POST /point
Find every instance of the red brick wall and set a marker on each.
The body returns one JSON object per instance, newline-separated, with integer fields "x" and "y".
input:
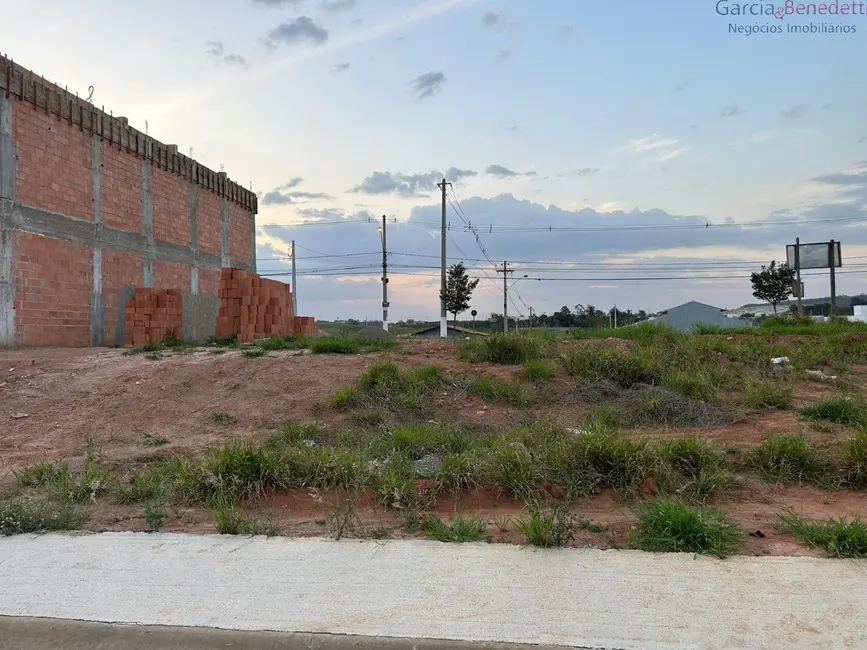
{"x": 53, "y": 170}
{"x": 53, "y": 286}
{"x": 54, "y": 277}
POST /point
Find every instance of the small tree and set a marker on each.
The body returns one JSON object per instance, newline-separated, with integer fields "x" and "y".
{"x": 773, "y": 284}
{"x": 459, "y": 290}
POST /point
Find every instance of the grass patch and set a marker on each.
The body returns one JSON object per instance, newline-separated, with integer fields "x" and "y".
{"x": 20, "y": 518}
{"x": 504, "y": 349}
{"x": 460, "y": 529}
{"x": 549, "y": 529}
{"x": 221, "y": 418}
{"x": 789, "y": 459}
{"x": 154, "y": 440}
{"x": 597, "y": 363}
{"x": 837, "y": 537}
{"x": 768, "y": 394}
{"x": 498, "y": 390}
{"x": 230, "y": 520}
{"x": 64, "y": 485}
{"x": 843, "y": 409}
{"x": 384, "y": 387}
{"x": 539, "y": 370}
{"x": 253, "y": 352}
{"x": 661, "y": 406}
{"x": 671, "y": 526}
{"x": 694, "y": 467}
{"x": 853, "y": 460}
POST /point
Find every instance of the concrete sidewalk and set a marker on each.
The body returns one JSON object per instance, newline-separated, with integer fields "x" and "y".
{"x": 427, "y": 590}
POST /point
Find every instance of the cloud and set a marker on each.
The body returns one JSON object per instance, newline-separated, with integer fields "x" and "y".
{"x": 338, "y": 5}
{"x": 275, "y": 198}
{"x": 428, "y": 84}
{"x": 504, "y": 55}
{"x": 292, "y": 182}
{"x": 293, "y": 32}
{"x": 281, "y": 196}
{"x": 623, "y": 243}
{"x": 683, "y": 85}
{"x": 656, "y": 148}
{"x": 409, "y": 185}
{"x": 826, "y": 106}
{"x": 493, "y": 21}
{"x": 498, "y": 171}
{"x": 794, "y": 112}
{"x": 278, "y": 3}
{"x": 730, "y": 111}
{"x": 216, "y": 50}
{"x": 340, "y": 67}
{"x": 567, "y": 31}
{"x": 585, "y": 171}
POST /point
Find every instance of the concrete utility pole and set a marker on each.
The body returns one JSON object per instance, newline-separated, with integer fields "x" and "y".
{"x": 800, "y": 294}
{"x": 384, "y": 277}
{"x": 832, "y": 257}
{"x": 444, "y": 321}
{"x": 294, "y": 283}
{"x": 505, "y": 271}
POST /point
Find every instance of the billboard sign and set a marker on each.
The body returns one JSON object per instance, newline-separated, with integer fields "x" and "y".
{"x": 814, "y": 256}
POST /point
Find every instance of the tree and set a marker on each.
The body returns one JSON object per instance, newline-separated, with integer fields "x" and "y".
{"x": 459, "y": 290}
{"x": 773, "y": 284}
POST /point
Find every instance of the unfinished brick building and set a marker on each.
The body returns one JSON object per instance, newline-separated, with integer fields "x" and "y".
{"x": 91, "y": 208}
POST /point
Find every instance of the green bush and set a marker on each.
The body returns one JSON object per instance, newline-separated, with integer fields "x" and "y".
{"x": 671, "y": 526}
{"x": 837, "y": 537}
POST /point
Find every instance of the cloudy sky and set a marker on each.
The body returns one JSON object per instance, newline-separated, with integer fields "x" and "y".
{"x": 632, "y": 153}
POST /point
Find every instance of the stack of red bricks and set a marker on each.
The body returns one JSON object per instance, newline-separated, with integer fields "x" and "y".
{"x": 252, "y": 307}
{"x": 152, "y": 315}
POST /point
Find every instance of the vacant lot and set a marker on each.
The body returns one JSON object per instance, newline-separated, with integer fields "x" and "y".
{"x": 639, "y": 437}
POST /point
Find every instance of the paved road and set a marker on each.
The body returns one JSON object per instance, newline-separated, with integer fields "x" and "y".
{"x": 427, "y": 590}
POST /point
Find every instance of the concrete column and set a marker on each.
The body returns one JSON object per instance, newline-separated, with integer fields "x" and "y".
{"x": 97, "y": 306}
{"x": 224, "y": 218}
{"x": 194, "y": 236}
{"x": 253, "y": 244}
{"x": 147, "y": 222}
{"x": 7, "y": 196}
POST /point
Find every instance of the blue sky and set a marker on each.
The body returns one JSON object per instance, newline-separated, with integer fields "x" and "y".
{"x": 597, "y": 107}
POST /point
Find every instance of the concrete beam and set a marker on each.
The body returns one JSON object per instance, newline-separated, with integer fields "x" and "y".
{"x": 147, "y": 225}
{"x": 224, "y": 219}
{"x": 37, "y": 221}
{"x": 193, "y": 201}
{"x": 7, "y": 236}
{"x": 97, "y": 306}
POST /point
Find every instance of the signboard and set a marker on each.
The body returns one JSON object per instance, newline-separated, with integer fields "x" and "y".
{"x": 814, "y": 256}
{"x": 798, "y": 289}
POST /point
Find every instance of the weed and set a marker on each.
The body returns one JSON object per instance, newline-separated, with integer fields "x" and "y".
{"x": 503, "y": 523}
{"x": 497, "y": 390}
{"x": 539, "y": 370}
{"x": 788, "y": 459}
{"x": 142, "y": 487}
{"x": 670, "y": 526}
{"x": 589, "y": 526}
{"x": 154, "y": 440}
{"x": 458, "y": 472}
{"x": 504, "y": 349}
{"x": 253, "y": 352}
{"x": 768, "y": 394}
{"x": 346, "y": 345}
{"x": 230, "y": 520}
{"x": 382, "y": 386}
{"x": 853, "y": 456}
{"x": 20, "y": 518}
{"x": 509, "y": 466}
{"x": 422, "y": 439}
{"x": 459, "y": 529}
{"x": 694, "y": 466}
{"x": 154, "y": 519}
{"x": 661, "y": 406}
{"x": 64, "y": 485}
{"x": 394, "y": 484}
{"x": 837, "y": 537}
{"x": 847, "y": 410}
{"x": 238, "y": 471}
{"x": 547, "y": 529}
{"x": 153, "y": 356}
{"x": 342, "y": 519}
{"x": 221, "y": 418}
{"x": 595, "y": 363}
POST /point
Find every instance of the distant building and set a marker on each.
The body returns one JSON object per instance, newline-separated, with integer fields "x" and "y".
{"x": 452, "y": 332}
{"x": 688, "y": 316}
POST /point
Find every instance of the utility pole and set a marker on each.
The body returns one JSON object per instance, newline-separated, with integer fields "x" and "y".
{"x": 505, "y": 271}
{"x": 384, "y": 277}
{"x": 615, "y": 316}
{"x": 799, "y": 294}
{"x": 294, "y": 284}
{"x": 832, "y": 258}
{"x": 444, "y": 321}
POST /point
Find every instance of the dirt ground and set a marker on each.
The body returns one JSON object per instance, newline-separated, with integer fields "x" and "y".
{"x": 62, "y": 404}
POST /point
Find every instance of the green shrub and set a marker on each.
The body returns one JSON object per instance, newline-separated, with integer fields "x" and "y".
{"x": 850, "y": 411}
{"x": 670, "y": 526}
{"x": 789, "y": 459}
{"x": 837, "y": 537}
{"x": 230, "y": 520}
{"x": 853, "y": 456}
{"x": 547, "y": 529}
{"x": 539, "y": 370}
{"x": 595, "y": 363}
{"x": 459, "y": 529}
{"x": 694, "y": 467}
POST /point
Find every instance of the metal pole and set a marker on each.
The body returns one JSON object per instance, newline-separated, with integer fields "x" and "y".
{"x": 505, "y": 299}
{"x": 384, "y": 279}
{"x": 798, "y": 275}
{"x": 833, "y": 259}
{"x": 615, "y": 316}
{"x": 294, "y": 284}
{"x": 444, "y": 323}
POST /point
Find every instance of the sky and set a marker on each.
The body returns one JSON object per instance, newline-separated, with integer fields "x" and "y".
{"x": 630, "y": 153}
